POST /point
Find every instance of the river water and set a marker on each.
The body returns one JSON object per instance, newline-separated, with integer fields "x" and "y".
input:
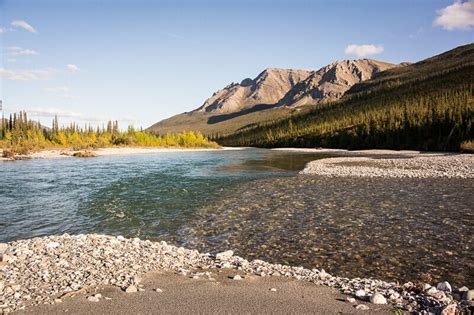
{"x": 251, "y": 201}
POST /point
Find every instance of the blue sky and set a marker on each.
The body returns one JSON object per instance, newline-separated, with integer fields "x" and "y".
{"x": 143, "y": 61}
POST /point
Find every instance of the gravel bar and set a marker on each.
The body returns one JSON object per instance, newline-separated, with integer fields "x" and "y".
{"x": 415, "y": 166}
{"x": 44, "y": 270}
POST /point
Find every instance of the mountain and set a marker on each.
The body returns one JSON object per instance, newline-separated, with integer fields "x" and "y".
{"x": 274, "y": 93}
{"x": 266, "y": 89}
{"x": 331, "y": 82}
{"x": 428, "y": 105}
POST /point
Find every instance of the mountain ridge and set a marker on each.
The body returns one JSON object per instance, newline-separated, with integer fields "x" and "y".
{"x": 270, "y": 89}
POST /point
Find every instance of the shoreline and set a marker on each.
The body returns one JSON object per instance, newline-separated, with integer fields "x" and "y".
{"x": 45, "y": 270}
{"x": 68, "y": 153}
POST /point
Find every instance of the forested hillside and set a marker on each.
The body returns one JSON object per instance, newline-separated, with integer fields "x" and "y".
{"x": 425, "y": 106}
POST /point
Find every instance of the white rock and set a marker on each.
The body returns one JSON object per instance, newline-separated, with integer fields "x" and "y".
{"x": 121, "y": 238}
{"x": 468, "y": 295}
{"x": 362, "y": 307}
{"x": 449, "y": 310}
{"x": 158, "y": 290}
{"x": 131, "y": 289}
{"x": 350, "y": 300}
{"x": 444, "y": 286}
{"x": 273, "y": 289}
{"x": 3, "y": 248}
{"x": 52, "y": 245}
{"x": 431, "y": 291}
{"x": 225, "y": 255}
{"x": 378, "y": 298}
{"x": 360, "y": 293}
{"x": 93, "y": 299}
{"x": 237, "y": 277}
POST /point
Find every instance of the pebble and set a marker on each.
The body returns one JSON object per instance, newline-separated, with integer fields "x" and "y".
{"x": 131, "y": 289}
{"x": 378, "y": 298}
{"x": 468, "y": 295}
{"x": 362, "y": 307}
{"x": 237, "y": 277}
{"x": 53, "y": 245}
{"x": 3, "y": 248}
{"x": 360, "y": 293}
{"x": 273, "y": 289}
{"x": 223, "y": 256}
{"x": 444, "y": 286}
{"x": 93, "y": 298}
{"x": 350, "y": 300}
{"x": 158, "y": 290}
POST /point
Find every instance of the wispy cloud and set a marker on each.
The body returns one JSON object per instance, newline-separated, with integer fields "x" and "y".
{"x": 3, "y": 30}
{"x": 62, "y": 91}
{"x": 72, "y": 67}
{"x": 51, "y": 112}
{"x": 24, "y": 25}
{"x": 459, "y": 15}
{"x": 18, "y": 51}
{"x": 27, "y": 75}
{"x": 363, "y": 50}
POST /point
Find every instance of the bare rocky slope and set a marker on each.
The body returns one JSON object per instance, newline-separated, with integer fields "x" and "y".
{"x": 278, "y": 92}
{"x": 331, "y": 82}
{"x": 266, "y": 89}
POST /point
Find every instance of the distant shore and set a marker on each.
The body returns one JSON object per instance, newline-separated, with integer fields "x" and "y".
{"x": 48, "y": 270}
{"x": 68, "y": 153}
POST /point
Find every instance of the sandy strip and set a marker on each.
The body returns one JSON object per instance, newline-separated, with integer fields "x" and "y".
{"x": 64, "y": 153}
{"x": 417, "y": 165}
{"x": 220, "y": 294}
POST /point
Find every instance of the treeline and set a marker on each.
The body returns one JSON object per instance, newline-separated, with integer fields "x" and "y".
{"x": 21, "y": 135}
{"x": 431, "y": 114}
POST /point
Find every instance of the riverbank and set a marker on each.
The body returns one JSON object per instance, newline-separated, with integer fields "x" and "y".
{"x": 65, "y": 153}
{"x": 49, "y": 270}
{"x": 395, "y": 164}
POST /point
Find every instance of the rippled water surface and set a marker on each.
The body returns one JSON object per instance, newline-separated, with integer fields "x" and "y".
{"x": 250, "y": 200}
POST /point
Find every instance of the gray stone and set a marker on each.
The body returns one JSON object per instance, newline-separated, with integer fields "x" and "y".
{"x": 444, "y": 286}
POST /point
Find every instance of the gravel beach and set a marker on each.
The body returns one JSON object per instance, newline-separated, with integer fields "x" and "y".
{"x": 48, "y": 270}
{"x": 406, "y": 165}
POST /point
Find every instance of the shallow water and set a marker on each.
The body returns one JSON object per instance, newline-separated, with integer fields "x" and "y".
{"x": 250, "y": 201}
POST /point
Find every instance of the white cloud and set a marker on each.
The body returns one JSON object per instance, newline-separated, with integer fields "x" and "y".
{"x": 24, "y": 25}
{"x": 459, "y": 15}
{"x": 11, "y": 60}
{"x": 18, "y": 51}
{"x": 26, "y": 75}
{"x": 72, "y": 67}
{"x": 51, "y": 112}
{"x": 363, "y": 50}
